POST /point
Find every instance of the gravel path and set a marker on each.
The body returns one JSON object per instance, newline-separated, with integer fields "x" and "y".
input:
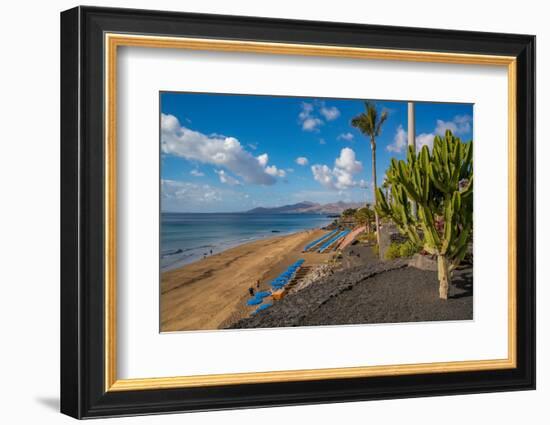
{"x": 383, "y": 292}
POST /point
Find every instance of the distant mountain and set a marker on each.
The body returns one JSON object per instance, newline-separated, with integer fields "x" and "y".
{"x": 307, "y": 208}
{"x": 294, "y": 208}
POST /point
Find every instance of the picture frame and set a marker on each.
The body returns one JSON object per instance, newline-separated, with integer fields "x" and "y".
{"x": 90, "y": 39}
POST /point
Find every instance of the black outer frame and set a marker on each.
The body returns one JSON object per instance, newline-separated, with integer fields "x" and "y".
{"x": 82, "y": 219}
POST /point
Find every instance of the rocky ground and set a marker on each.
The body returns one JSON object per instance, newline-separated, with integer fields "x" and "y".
{"x": 358, "y": 255}
{"x": 374, "y": 292}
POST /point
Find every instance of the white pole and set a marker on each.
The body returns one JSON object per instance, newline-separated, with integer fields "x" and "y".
{"x": 411, "y": 130}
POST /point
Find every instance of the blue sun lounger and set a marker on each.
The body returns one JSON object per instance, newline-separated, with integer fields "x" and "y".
{"x": 254, "y": 301}
{"x": 318, "y": 241}
{"x": 333, "y": 240}
{"x": 262, "y": 308}
{"x": 287, "y": 275}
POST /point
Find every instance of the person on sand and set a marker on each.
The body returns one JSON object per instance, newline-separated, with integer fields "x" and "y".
{"x": 210, "y": 252}
{"x": 251, "y": 291}
{"x": 258, "y": 284}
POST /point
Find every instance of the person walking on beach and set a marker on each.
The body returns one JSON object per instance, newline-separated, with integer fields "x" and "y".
{"x": 258, "y": 284}
{"x": 251, "y": 291}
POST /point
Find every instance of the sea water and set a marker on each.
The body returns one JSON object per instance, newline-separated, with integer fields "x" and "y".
{"x": 188, "y": 237}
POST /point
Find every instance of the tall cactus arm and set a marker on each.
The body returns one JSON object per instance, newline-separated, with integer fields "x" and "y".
{"x": 440, "y": 182}
{"x": 400, "y": 213}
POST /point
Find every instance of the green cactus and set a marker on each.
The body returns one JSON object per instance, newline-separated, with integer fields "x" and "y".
{"x": 440, "y": 183}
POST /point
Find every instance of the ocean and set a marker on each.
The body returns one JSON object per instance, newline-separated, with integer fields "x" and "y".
{"x": 186, "y": 237}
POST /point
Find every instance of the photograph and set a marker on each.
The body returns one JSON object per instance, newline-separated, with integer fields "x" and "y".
{"x": 285, "y": 211}
{"x": 280, "y": 210}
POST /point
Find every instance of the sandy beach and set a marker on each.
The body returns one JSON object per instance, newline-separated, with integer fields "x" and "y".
{"x": 211, "y": 293}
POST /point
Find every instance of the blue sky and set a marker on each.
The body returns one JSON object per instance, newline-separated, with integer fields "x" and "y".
{"x": 226, "y": 153}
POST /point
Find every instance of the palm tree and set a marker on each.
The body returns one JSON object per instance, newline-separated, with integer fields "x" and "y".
{"x": 370, "y": 124}
{"x": 363, "y": 216}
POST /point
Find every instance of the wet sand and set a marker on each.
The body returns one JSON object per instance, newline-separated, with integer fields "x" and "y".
{"x": 211, "y": 293}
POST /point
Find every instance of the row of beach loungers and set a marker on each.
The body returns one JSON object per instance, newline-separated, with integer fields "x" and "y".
{"x": 278, "y": 283}
{"x": 326, "y": 241}
{"x": 318, "y": 241}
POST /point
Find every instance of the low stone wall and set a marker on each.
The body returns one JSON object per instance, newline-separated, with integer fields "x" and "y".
{"x": 423, "y": 262}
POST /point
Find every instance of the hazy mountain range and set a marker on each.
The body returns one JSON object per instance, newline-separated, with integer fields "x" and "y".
{"x": 307, "y": 208}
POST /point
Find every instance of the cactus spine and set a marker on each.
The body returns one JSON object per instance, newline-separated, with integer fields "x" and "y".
{"x": 441, "y": 184}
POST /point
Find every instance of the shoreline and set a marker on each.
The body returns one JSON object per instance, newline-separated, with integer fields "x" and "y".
{"x": 177, "y": 253}
{"x": 211, "y": 293}
{"x": 235, "y": 244}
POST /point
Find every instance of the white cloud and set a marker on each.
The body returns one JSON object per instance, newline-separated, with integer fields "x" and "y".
{"x": 425, "y": 139}
{"x": 328, "y": 196}
{"x": 253, "y": 146}
{"x": 263, "y": 159}
{"x": 348, "y": 162}
{"x": 302, "y": 160}
{"x": 330, "y": 113}
{"x": 399, "y": 140}
{"x": 307, "y": 109}
{"x": 272, "y": 170}
{"x": 363, "y": 184}
{"x": 323, "y": 174}
{"x": 340, "y": 177}
{"x": 343, "y": 179}
{"x": 465, "y": 120}
{"x": 194, "y": 197}
{"x": 460, "y": 124}
{"x": 227, "y": 178}
{"x": 189, "y": 192}
{"x": 322, "y": 142}
{"x": 307, "y": 119}
{"x": 346, "y": 136}
{"x": 226, "y": 152}
{"x": 309, "y": 115}
{"x": 196, "y": 173}
{"x": 311, "y": 124}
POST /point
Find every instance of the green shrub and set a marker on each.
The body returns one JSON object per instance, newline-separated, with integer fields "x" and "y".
{"x": 408, "y": 249}
{"x": 393, "y": 251}
{"x": 371, "y": 237}
{"x": 366, "y": 237}
{"x": 398, "y": 250}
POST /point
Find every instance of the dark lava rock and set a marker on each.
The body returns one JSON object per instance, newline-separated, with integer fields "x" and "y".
{"x": 384, "y": 292}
